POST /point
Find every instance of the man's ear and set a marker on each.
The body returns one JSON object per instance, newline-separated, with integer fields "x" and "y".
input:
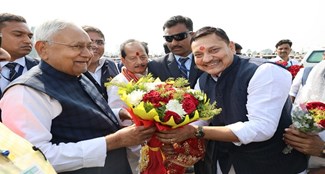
{"x": 232, "y": 46}
{"x": 41, "y": 48}
{"x": 122, "y": 59}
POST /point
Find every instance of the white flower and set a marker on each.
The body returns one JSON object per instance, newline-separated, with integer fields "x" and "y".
{"x": 135, "y": 97}
{"x": 297, "y": 125}
{"x": 152, "y": 86}
{"x": 175, "y": 106}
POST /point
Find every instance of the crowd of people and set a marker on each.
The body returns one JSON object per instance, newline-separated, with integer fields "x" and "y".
{"x": 60, "y": 104}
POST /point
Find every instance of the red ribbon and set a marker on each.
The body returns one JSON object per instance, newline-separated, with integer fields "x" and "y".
{"x": 157, "y": 163}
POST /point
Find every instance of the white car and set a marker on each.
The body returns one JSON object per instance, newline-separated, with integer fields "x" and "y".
{"x": 313, "y": 57}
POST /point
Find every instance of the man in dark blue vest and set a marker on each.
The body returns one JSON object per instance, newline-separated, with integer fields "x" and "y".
{"x": 247, "y": 135}
{"x": 59, "y": 110}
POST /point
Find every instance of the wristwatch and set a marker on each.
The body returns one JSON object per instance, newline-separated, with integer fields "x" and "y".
{"x": 199, "y": 132}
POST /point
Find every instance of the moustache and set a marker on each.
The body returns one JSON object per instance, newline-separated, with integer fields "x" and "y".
{"x": 141, "y": 65}
{"x": 176, "y": 46}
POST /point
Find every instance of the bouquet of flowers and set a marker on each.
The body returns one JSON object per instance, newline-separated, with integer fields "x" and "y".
{"x": 167, "y": 105}
{"x": 293, "y": 69}
{"x": 309, "y": 118}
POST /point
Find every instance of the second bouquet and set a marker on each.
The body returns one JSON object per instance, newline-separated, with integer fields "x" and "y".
{"x": 309, "y": 118}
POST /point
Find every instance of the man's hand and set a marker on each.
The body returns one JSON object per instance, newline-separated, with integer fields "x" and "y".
{"x": 129, "y": 136}
{"x": 124, "y": 115}
{"x": 176, "y": 135}
{"x": 310, "y": 144}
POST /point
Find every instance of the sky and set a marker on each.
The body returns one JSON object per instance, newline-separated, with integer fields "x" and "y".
{"x": 254, "y": 24}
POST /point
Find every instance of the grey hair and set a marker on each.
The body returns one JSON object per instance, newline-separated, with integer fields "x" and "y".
{"x": 48, "y": 29}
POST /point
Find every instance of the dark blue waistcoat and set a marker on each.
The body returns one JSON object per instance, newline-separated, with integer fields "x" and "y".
{"x": 85, "y": 113}
{"x": 230, "y": 92}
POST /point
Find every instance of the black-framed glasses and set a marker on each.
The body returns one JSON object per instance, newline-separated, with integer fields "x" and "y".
{"x": 77, "y": 47}
{"x": 177, "y": 37}
{"x": 98, "y": 42}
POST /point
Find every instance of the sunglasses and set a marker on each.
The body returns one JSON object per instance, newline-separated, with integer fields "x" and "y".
{"x": 177, "y": 37}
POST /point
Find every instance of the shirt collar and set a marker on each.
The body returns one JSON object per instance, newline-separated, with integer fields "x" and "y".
{"x": 190, "y": 57}
{"x": 21, "y": 61}
{"x": 101, "y": 63}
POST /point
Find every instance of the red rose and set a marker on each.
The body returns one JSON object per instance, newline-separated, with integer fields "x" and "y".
{"x": 315, "y": 105}
{"x": 189, "y": 103}
{"x": 152, "y": 97}
{"x": 294, "y": 69}
{"x": 165, "y": 92}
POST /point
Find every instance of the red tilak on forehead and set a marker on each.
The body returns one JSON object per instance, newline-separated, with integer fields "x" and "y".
{"x": 202, "y": 48}
{"x": 137, "y": 53}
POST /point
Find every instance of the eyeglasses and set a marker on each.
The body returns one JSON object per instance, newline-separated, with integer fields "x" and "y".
{"x": 78, "y": 47}
{"x": 177, "y": 37}
{"x": 98, "y": 42}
